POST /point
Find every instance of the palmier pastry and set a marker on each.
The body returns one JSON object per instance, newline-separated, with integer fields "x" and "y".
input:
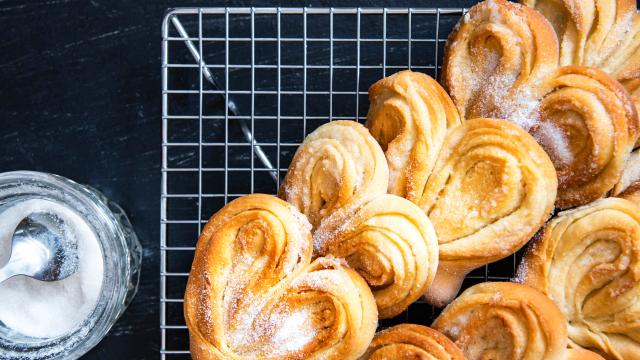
{"x": 491, "y": 189}
{"x": 409, "y": 115}
{"x": 409, "y": 341}
{"x": 390, "y": 242}
{"x": 502, "y": 61}
{"x": 337, "y": 164}
{"x": 588, "y": 125}
{"x": 495, "y": 59}
{"x": 604, "y": 34}
{"x": 253, "y": 292}
{"x": 501, "y": 320}
{"x": 587, "y": 260}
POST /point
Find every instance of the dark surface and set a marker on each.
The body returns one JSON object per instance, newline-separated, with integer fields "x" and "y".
{"x": 80, "y": 97}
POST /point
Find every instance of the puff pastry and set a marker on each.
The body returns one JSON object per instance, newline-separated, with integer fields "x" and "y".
{"x": 253, "y": 291}
{"x": 390, "y": 242}
{"x": 409, "y": 115}
{"x": 491, "y": 189}
{"x": 587, "y": 260}
{"x": 337, "y": 164}
{"x": 500, "y": 320}
{"x": 495, "y": 58}
{"x": 409, "y": 341}
{"x": 502, "y": 61}
{"x": 604, "y": 34}
{"x": 588, "y": 125}
{"x": 601, "y": 34}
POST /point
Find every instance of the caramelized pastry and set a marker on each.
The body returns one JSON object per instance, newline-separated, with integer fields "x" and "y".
{"x": 337, "y": 164}
{"x": 408, "y": 342}
{"x": 409, "y": 115}
{"x": 502, "y": 61}
{"x": 588, "y": 126}
{"x": 390, "y": 242}
{"x": 253, "y": 291}
{"x": 587, "y": 260}
{"x": 501, "y": 320}
{"x": 495, "y": 58}
{"x": 491, "y": 189}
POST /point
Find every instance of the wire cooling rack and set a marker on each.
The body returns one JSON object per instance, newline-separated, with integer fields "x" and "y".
{"x": 242, "y": 87}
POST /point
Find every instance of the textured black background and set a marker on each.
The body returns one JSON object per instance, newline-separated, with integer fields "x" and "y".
{"x": 80, "y": 97}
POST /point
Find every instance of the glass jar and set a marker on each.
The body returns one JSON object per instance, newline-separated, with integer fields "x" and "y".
{"x": 121, "y": 253}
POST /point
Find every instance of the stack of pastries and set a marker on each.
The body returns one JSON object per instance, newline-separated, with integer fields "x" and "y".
{"x": 537, "y": 114}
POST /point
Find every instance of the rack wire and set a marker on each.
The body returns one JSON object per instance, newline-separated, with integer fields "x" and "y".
{"x": 242, "y": 87}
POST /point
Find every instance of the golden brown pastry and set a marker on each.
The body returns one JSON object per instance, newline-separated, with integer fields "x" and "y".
{"x": 587, "y": 260}
{"x": 253, "y": 291}
{"x": 502, "y": 61}
{"x": 604, "y": 34}
{"x": 337, "y": 164}
{"x": 409, "y": 342}
{"x": 492, "y": 188}
{"x": 409, "y": 115}
{"x": 601, "y": 34}
{"x": 588, "y": 126}
{"x": 495, "y": 58}
{"x": 501, "y": 320}
{"x": 390, "y": 242}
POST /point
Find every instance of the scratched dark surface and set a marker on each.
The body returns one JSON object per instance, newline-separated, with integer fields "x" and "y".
{"x": 80, "y": 97}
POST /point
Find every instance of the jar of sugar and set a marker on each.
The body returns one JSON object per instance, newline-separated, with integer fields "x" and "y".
{"x": 66, "y": 318}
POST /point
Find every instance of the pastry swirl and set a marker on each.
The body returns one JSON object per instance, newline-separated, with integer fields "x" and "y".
{"x": 494, "y": 59}
{"x": 500, "y": 320}
{"x": 390, "y": 242}
{"x": 337, "y": 164}
{"x": 409, "y": 116}
{"x": 584, "y": 118}
{"x": 587, "y": 260}
{"x": 409, "y": 341}
{"x": 492, "y": 188}
{"x": 253, "y": 291}
{"x": 588, "y": 125}
{"x": 597, "y": 33}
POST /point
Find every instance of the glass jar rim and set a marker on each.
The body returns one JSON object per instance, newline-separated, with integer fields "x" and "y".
{"x": 19, "y": 186}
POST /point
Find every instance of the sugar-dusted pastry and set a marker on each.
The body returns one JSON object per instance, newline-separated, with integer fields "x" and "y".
{"x": 253, "y": 292}
{"x": 491, "y": 189}
{"x": 337, "y": 164}
{"x": 409, "y": 342}
{"x": 495, "y": 58}
{"x": 587, "y": 260}
{"x": 409, "y": 115}
{"x": 588, "y": 125}
{"x": 390, "y": 242}
{"x": 501, "y": 320}
{"x": 502, "y": 61}
{"x": 604, "y": 34}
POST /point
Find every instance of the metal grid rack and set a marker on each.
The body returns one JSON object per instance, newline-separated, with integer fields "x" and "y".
{"x": 233, "y": 117}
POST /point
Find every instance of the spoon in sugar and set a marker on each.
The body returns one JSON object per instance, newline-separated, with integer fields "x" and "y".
{"x": 43, "y": 248}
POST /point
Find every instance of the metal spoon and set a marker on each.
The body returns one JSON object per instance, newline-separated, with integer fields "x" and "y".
{"x": 42, "y": 248}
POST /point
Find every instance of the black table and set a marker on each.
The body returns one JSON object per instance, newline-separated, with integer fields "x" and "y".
{"x": 80, "y": 97}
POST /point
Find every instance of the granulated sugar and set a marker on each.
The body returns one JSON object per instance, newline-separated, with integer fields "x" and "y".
{"x": 50, "y": 309}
